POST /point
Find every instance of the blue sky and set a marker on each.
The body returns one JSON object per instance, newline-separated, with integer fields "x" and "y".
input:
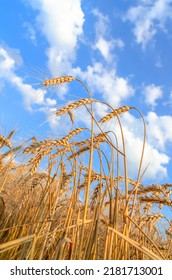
{"x": 120, "y": 49}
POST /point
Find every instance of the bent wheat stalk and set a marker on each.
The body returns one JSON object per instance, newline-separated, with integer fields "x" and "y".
{"x": 138, "y": 246}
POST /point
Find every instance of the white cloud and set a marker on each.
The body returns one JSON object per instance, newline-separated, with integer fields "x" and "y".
{"x": 119, "y": 43}
{"x": 7, "y": 73}
{"x": 148, "y": 18}
{"x": 151, "y": 94}
{"x": 101, "y": 109}
{"x": 50, "y": 102}
{"x": 104, "y": 43}
{"x": 155, "y": 160}
{"x": 155, "y": 156}
{"x": 53, "y": 121}
{"x": 63, "y": 33}
{"x": 102, "y": 23}
{"x": 105, "y": 81}
{"x": 6, "y": 62}
{"x": 31, "y": 96}
{"x": 30, "y": 32}
{"x": 158, "y": 63}
{"x": 61, "y": 22}
{"x": 168, "y": 102}
{"x": 104, "y": 47}
{"x": 159, "y": 130}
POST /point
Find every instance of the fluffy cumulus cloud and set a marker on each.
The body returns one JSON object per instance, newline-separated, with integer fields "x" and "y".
{"x": 159, "y": 130}
{"x": 148, "y": 17}
{"x": 61, "y": 23}
{"x": 104, "y": 47}
{"x": 106, "y": 82}
{"x": 151, "y": 94}
{"x": 155, "y": 159}
{"x": 168, "y": 102}
{"x": 30, "y": 95}
{"x": 103, "y": 41}
{"x": 30, "y": 32}
{"x": 101, "y": 76}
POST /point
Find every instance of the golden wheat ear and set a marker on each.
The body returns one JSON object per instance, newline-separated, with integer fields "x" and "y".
{"x": 116, "y": 112}
{"x": 58, "y": 81}
{"x": 4, "y": 141}
{"x": 74, "y": 105}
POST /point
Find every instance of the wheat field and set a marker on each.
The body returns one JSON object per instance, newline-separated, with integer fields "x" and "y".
{"x": 68, "y": 199}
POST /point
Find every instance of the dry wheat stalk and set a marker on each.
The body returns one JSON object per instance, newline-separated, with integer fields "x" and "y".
{"x": 2, "y": 206}
{"x": 58, "y": 81}
{"x": 116, "y": 112}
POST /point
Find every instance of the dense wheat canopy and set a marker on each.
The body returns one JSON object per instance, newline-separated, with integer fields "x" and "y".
{"x": 70, "y": 198}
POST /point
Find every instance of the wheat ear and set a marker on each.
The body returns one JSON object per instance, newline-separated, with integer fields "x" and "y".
{"x": 58, "y": 81}
{"x": 116, "y": 112}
